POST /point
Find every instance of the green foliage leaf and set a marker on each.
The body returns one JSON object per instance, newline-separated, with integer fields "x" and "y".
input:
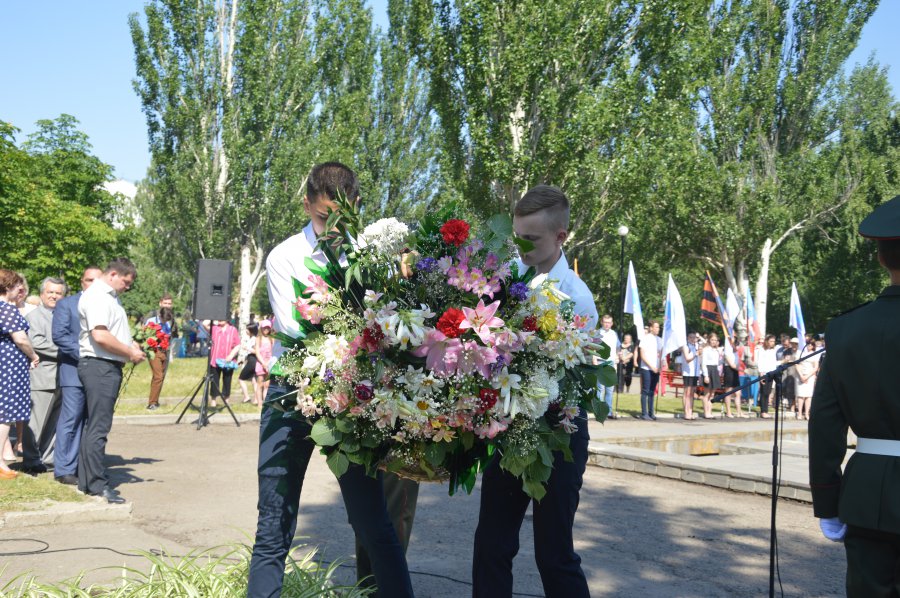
{"x": 325, "y": 433}
{"x": 338, "y": 463}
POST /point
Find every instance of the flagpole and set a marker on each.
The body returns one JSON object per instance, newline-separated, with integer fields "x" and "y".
{"x": 620, "y": 368}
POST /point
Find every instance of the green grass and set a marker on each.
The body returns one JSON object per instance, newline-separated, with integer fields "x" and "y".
{"x": 181, "y": 379}
{"x": 630, "y": 404}
{"x": 220, "y": 572}
{"x": 26, "y": 493}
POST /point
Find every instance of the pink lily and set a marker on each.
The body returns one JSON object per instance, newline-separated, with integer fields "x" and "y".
{"x": 440, "y": 352}
{"x": 473, "y": 357}
{"x": 481, "y": 320}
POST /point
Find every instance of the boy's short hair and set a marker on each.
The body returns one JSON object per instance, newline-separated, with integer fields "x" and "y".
{"x": 546, "y": 198}
{"x": 331, "y": 179}
{"x": 123, "y": 266}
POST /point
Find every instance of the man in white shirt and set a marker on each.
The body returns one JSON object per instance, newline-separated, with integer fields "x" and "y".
{"x": 541, "y": 217}
{"x": 284, "y": 447}
{"x": 105, "y": 345}
{"x": 609, "y": 338}
{"x": 767, "y": 361}
{"x": 650, "y": 350}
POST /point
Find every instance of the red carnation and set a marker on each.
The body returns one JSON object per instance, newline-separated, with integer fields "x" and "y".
{"x": 164, "y": 344}
{"x": 371, "y": 339}
{"x": 455, "y": 232}
{"x": 151, "y": 342}
{"x": 449, "y": 321}
{"x": 487, "y": 399}
{"x": 529, "y": 324}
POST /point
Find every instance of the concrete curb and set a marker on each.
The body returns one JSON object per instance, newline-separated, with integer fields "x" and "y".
{"x": 96, "y": 509}
{"x": 189, "y": 419}
{"x": 725, "y": 474}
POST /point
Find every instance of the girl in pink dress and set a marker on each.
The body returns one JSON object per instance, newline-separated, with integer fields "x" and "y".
{"x": 264, "y": 343}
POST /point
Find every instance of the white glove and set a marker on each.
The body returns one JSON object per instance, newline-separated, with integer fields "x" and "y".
{"x": 833, "y": 529}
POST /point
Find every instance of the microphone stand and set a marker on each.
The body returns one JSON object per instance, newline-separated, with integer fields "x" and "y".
{"x": 776, "y": 376}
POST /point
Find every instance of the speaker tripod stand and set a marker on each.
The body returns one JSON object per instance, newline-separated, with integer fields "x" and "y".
{"x": 204, "y": 384}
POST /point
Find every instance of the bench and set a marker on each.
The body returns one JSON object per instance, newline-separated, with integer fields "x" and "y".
{"x": 676, "y": 381}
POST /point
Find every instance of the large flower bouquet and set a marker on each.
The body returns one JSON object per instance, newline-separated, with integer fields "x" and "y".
{"x": 425, "y": 352}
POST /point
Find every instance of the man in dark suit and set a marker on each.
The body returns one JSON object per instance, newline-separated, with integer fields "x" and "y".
{"x": 857, "y": 388}
{"x": 66, "y": 328}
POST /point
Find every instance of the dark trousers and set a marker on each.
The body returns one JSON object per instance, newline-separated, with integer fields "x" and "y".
{"x": 68, "y": 431}
{"x": 649, "y": 380}
{"x": 765, "y": 389}
{"x": 873, "y": 563}
{"x": 401, "y": 495}
{"x": 503, "y": 506}
{"x": 224, "y": 389}
{"x": 101, "y": 380}
{"x": 284, "y": 453}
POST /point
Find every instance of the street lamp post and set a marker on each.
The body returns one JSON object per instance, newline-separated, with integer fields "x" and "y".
{"x": 623, "y": 232}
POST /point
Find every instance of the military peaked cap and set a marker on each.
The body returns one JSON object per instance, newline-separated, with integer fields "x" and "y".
{"x": 883, "y": 222}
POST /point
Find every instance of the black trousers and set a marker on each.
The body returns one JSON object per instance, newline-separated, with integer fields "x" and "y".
{"x": 503, "y": 506}
{"x": 284, "y": 454}
{"x": 101, "y": 380}
{"x": 873, "y": 563}
{"x": 223, "y": 389}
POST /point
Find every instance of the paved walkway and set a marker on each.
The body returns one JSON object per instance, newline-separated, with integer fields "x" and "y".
{"x": 638, "y": 535}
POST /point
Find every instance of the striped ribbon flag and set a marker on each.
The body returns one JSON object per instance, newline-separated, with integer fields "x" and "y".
{"x": 709, "y": 309}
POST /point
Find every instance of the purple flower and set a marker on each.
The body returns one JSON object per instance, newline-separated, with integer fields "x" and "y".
{"x": 428, "y": 264}
{"x": 329, "y": 376}
{"x": 519, "y": 291}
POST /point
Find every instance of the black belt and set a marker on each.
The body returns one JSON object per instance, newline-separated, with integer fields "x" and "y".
{"x": 118, "y": 364}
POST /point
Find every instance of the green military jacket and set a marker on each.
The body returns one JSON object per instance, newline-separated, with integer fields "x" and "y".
{"x": 858, "y": 386}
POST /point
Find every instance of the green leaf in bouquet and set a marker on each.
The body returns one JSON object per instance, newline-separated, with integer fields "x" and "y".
{"x": 314, "y": 267}
{"x": 343, "y": 424}
{"x": 467, "y": 439}
{"x": 534, "y": 489}
{"x": 338, "y": 463}
{"x": 324, "y": 432}
{"x": 603, "y": 351}
{"x": 501, "y": 225}
{"x": 350, "y": 445}
{"x": 299, "y": 287}
{"x": 436, "y": 452}
{"x": 277, "y": 371}
{"x": 524, "y": 245}
{"x": 600, "y": 409}
{"x": 546, "y": 455}
{"x": 539, "y": 471}
{"x": 608, "y": 375}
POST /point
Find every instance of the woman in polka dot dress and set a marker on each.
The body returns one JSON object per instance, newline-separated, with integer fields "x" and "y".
{"x": 16, "y": 357}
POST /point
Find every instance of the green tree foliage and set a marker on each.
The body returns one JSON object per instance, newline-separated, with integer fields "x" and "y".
{"x": 243, "y": 97}
{"x": 56, "y": 217}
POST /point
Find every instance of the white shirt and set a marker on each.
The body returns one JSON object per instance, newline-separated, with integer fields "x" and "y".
{"x": 711, "y": 356}
{"x": 767, "y": 360}
{"x": 649, "y": 357}
{"x": 691, "y": 368}
{"x": 285, "y": 263}
{"x": 570, "y": 284}
{"x": 99, "y": 306}
{"x": 611, "y": 339}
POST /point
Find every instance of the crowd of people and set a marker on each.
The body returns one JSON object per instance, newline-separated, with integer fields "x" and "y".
{"x": 708, "y": 369}
{"x": 61, "y": 360}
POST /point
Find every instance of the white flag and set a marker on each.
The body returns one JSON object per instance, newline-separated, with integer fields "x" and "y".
{"x": 633, "y": 301}
{"x": 733, "y": 308}
{"x": 797, "y": 317}
{"x": 674, "y": 326}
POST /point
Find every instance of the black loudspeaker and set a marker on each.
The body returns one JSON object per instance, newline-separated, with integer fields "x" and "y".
{"x": 212, "y": 290}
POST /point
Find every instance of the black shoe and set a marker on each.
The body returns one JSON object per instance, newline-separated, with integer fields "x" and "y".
{"x": 653, "y": 417}
{"x": 152, "y": 407}
{"x": 68, "y": 479}
{"x": 647, "y": 418}
{"x": 34, "y": 470}
{"x": 111, "y": 496}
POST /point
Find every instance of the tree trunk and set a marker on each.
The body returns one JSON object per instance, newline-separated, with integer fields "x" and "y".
{"x": 251, "y": 273}
{"x": 762, "y": 285}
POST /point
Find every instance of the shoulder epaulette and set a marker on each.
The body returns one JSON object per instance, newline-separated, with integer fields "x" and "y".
{"x": 847, "y": 311}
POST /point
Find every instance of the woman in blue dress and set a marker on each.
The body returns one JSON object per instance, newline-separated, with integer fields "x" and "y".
{"x": 17, "y": 356}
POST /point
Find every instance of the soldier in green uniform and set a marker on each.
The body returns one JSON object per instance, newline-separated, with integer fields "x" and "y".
{"x": 859, "y": 387}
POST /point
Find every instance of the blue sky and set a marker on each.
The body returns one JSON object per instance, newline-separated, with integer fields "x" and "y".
{"x": 76, "y": 57}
